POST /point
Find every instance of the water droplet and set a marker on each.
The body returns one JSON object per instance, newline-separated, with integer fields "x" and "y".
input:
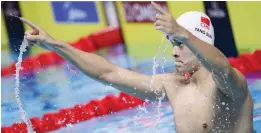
{"x": 123, "y": 98}
{"x": 147, "y": 100}
{"x": 69, "y": 125}
{"x": 223, "y": 103}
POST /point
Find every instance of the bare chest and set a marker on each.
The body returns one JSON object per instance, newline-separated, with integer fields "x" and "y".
{"x": 194, "y": 105}
{"x": 202, "y": 108}
{"x": 195, "y": 108}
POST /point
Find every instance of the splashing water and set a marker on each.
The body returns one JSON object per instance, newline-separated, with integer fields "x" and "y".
{"x": 160, "y": 98}
{"x": 154, "y": 72}
{"x": 143, "y": 109}
{"x": 17, "y": 90}
{"x": 155, "y": 64}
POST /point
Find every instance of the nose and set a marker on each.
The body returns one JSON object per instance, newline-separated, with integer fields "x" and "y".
{"x": 175, "y": 52}
{"x": 176, "y": 55}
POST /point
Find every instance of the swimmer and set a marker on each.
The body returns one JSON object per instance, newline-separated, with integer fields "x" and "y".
{"x": 206, "y": 93}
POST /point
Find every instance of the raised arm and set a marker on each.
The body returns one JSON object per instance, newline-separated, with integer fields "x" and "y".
{"x": 104, "y": 71}
{"x": 97, "y": 67}
{"x": 231, "y": 82}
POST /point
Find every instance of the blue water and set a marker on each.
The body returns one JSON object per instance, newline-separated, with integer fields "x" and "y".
{"x": 56, "y": 87}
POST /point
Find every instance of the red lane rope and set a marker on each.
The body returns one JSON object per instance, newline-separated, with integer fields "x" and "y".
{"x": 78, "y": 113}
{"x": 91, "y": 43}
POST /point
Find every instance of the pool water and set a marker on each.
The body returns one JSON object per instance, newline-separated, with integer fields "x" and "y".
{"x": 63, "y": 86}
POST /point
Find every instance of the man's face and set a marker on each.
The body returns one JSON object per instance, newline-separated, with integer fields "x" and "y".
{"x": 184, "y": 60}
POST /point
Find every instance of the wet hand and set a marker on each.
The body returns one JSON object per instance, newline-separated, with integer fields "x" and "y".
{"x": 166, "y": 23}
{"x": 38, "y": 36}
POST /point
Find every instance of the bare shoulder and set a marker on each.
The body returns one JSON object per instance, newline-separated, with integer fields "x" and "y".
{"x": 172, "y": 81}
{"x": 239, "y": 86}
{"x": 241, "y": 80}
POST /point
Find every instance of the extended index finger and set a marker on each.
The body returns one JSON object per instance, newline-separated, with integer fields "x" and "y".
{"x": 29, "y": 23}
{"x": 158, "y": 8}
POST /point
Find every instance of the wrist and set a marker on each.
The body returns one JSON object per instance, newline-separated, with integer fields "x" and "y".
{"x": 58, "y": 44}
{"x": 181, "y": 35}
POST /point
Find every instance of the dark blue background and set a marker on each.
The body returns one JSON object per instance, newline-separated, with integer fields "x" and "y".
{"x": 224, "y": 38}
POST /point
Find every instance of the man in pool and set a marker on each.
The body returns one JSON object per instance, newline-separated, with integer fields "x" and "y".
{"x": 206, "y": 93}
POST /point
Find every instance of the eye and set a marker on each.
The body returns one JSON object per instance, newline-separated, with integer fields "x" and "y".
{"x": 176, "y": 43}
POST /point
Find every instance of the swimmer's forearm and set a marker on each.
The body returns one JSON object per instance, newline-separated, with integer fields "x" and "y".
{"x": 90, "y": 64}
{"x": 210, "y": 57}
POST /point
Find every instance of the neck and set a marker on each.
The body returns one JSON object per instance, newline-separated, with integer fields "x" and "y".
{"x": 196, "y": 75}
{"x": 190, "y": 74}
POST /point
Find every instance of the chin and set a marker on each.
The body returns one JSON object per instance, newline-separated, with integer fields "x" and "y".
{"x": 184, "y": 69}
{"x": 181, "y": 70}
